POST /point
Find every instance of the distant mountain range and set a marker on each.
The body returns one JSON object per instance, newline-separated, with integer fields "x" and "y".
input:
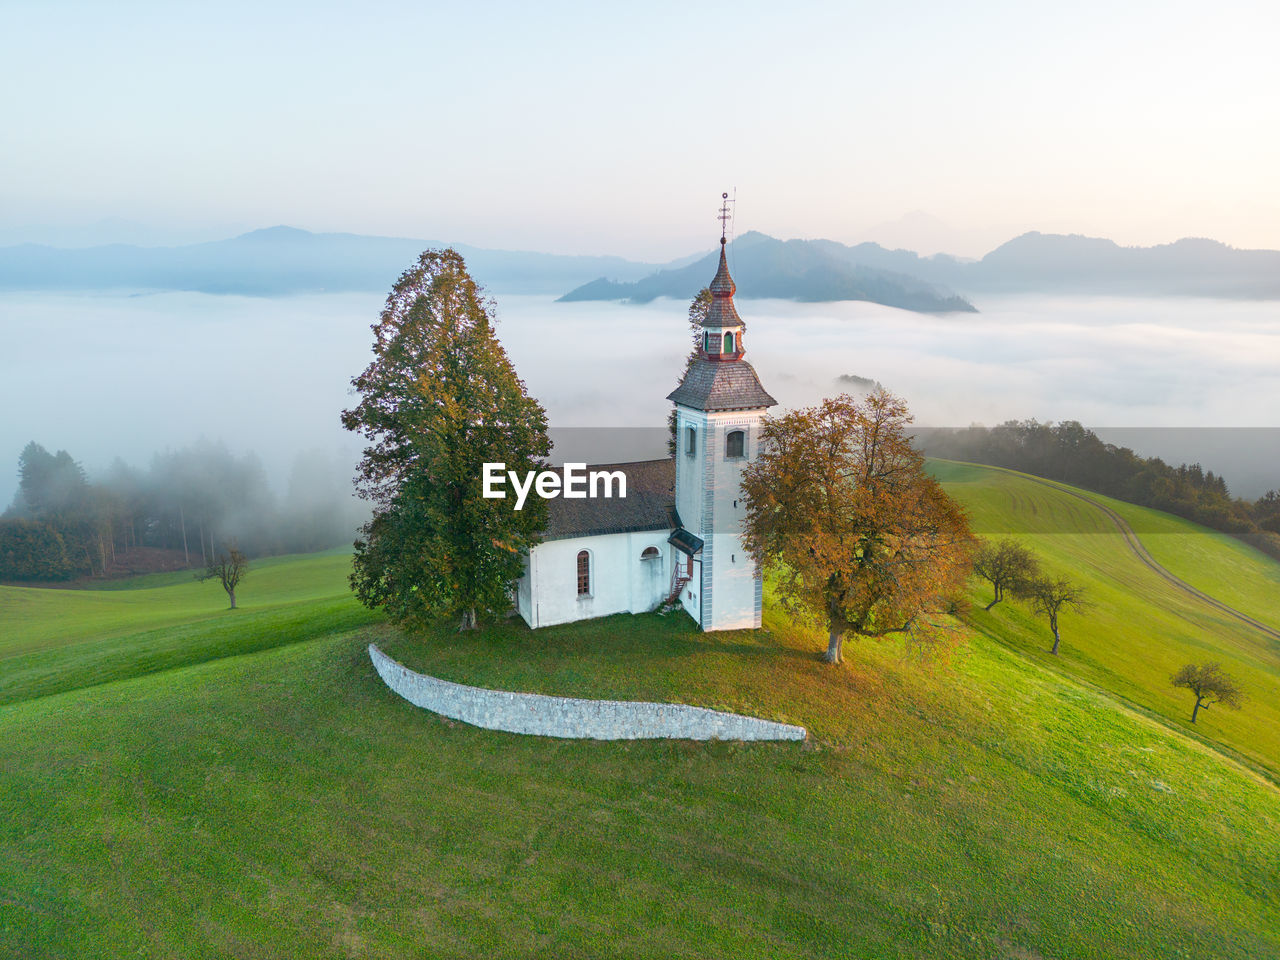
{"x": 1075, "y": 264}
{"x": 807, "y": 270}
{"x": 284, "y": 260}
{"x": 1033, "y": 262}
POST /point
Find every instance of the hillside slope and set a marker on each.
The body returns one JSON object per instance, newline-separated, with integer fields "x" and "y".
{"x": 234, "y": 786}
{"x": 56, "y": 640}
{"x": 1141, "y": 627}
{"x": 284, "y": 803}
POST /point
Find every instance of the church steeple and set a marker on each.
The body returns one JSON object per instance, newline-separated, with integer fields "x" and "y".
{"x": 719, "y": 414}
{"x": 722, "y": 327}
{"x": 720, "y": 379}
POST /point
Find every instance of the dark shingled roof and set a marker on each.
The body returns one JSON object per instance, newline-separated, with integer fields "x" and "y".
{"x": 722, "y": 284}
{"x": 649, "y": 504}
{"x": 722, "y": 313}
{"x": 721, "y": 385}
{"x": 682, "y": 539}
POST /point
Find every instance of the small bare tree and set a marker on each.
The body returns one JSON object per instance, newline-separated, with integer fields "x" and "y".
{"x": 1050, "y": 596}
{"x": 1006, "y": 563}
{"x": 228, "y": 569}
{"x": 1210, "y": 685}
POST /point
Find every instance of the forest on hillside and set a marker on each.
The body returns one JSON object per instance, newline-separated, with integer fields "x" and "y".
{"x": 1070, "y": 453}
{"x": 192, "y": 504}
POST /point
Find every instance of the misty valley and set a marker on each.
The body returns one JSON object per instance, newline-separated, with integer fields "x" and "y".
{"x": 106, "y": 377}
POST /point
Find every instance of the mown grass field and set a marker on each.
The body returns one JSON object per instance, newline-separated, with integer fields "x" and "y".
{"x": 1219, "y": 564}
{"x": 260, "y": 798}
{"x": 56, "y": 640}
{"x": 1140, "y": 628}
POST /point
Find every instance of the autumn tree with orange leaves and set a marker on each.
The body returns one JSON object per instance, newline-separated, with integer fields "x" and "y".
{"x": 861, "y": 538}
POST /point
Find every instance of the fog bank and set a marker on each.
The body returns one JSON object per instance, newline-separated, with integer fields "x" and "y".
{"x": 106, "y": 376}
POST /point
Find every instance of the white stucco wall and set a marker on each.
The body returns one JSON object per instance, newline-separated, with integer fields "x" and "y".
{"x": 725, "y": 593}
{"x": 532, "y": 713}
{"x": 730, "y": 584}
{"x": 690, "y": 499}
{"x": 689, "y": 468}
{"x": 620, "y": 581}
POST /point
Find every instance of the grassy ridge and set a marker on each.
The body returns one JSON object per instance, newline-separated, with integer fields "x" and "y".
{"x": 57, "y": 640}
{"x": 213, "y": 784}
{"x": 1217, "y": 563}
{"x": 1141, "y": 628}
{"x": 286, "y": 804}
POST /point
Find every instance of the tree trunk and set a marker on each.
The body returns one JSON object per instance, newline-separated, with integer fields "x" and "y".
{"x": 1056, "y": 640}
{"x": 469, "y": 621}
{"x": 835, "y": 645}
{"x": 1196, "y": 709}
{"x": 182, "y": 519}
{"x": 232, "y": 594}
{"x": 994, "y": 601}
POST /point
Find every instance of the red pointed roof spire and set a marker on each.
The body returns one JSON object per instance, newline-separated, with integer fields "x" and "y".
{"x": 719, "y": 378}
{"x": 722, "y": 284}
{"x": 722, "y": 312}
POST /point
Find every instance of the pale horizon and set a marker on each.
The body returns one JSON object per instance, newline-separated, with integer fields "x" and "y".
{"x": 586, "y": 130}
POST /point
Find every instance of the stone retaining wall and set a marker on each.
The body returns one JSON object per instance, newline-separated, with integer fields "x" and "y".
{"x": 570, "y": 717}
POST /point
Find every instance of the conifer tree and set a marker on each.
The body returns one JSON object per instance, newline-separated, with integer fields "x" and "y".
{"x": 698, "y": 308}
{"x": 439, "y": 400}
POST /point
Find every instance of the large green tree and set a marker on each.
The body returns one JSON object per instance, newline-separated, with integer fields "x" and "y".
{"x": 863, "y": 540}
{"x": 440, "y": 400}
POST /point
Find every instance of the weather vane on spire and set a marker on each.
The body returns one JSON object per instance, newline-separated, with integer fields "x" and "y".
{"x": 724, "y": 217}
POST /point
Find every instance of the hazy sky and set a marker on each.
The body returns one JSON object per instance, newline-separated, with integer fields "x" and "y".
{"x": 613, "y": 127}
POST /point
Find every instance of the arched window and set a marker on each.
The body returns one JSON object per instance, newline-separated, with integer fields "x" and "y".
{"x": 735, "y": 445}
{"x": 649, "y": 553}
{"x": 690, "y": 441}
{"x": 728, "y": 343}
{"x": 584, "y": 573}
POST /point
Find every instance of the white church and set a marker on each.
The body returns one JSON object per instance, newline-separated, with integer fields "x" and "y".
{"x": 677, "y": 535}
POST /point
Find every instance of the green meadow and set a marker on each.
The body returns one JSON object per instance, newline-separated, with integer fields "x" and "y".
{"x": 1140, "y": 628}
{"x": 56, "y": 640}
{"x": 179, "y": 780}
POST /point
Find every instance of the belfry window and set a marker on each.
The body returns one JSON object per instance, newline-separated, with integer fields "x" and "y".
{"x": 706, "y": 341}
{"x": 735, "y": 445}
{"x": 728, "y": 343}
{"x": 584, "y": 573}
{"x": 690, "y": 441}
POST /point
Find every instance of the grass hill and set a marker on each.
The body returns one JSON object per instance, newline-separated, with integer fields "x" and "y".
{"x": 56, "y": 640}
{"x": 209, "y": 783}
{"x": 1141, "y": 628}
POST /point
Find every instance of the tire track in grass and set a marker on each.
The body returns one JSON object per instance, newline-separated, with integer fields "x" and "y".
{"x": 1141, "y": 552}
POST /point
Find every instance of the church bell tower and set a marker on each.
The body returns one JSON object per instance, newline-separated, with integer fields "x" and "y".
{"x": 719, "y": 408}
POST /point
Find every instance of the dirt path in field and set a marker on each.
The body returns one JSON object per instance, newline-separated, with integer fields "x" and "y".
{"x": 1142, "y": 554}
